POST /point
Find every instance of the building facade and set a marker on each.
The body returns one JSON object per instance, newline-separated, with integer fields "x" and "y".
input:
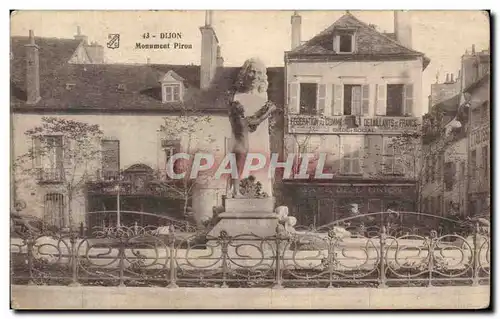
{"x": 137, "y": 108}
{"x": 456, "y": 141}
{"x": 479, "y": 187}
{"x": 351, "y": 91}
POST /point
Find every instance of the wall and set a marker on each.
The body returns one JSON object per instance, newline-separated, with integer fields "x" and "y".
{"x": 457, "y": 154}
{"x": 59, "y": 297}
{"x": 139, "y": 143}
{"x": 479, "y": 137}
{"x": 372, "y": 73}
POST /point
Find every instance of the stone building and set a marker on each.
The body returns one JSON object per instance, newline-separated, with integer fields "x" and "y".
{"x": 62, "y": 78}
{"x": 455, "y": 179}
{"x": 351, "y": 90}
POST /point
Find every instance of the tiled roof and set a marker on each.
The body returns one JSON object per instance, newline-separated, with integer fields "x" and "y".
{"x": 369, "y": 42}
{"x": 94, "y": 87}
{"x": 478, "y": 83}
{"x": 53, "y": 54}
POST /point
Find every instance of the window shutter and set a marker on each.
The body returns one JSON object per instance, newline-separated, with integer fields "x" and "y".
{"x": 388, "y": 156}
{"x": 381, "y": 99}
{"x": 365, "y": 99}
{"x": 399, "y": 162}
{"x": 293, "y": 98}
{"x": 321, "y": 98}
{"x": 110, "y": 158}
{"x": 345, "y": 153}
{"x": 408, "y": 99}
{"x": 337, "y": 92}
{"x": 356, "y": 100}
{"x": 62, "y": 143}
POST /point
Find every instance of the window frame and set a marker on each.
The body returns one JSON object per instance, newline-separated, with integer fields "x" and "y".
{"x": 351, "y": 159}
{"x": 170, "y": 86}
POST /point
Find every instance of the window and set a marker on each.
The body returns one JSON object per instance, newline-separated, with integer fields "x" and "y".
{"x": 308, "y": 94}
{"x": 48, "y": 157}
{"x": 170, "y": 148}
{"x": 486, "y": 168}
{"x": 351, "y": 149}
{"x": 393, "y": 161}
{"x": 485, "y": 111}
{"x": 171, "y": 92}
{"x": 352, "y": 99}
{"x": 395, "y": 99}
{"x": 110, "y": 162}
{"x": 54, "y": 210}
{"x": 449, "y": 175}
{"x": 473, "y": 164}
{"x": 343, "y": 41}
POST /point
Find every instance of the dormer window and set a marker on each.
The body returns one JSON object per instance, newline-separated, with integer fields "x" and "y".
{"x": 171, "y": 92}
{"x": 344, "y": 41}
{"x": 172, "y": 87}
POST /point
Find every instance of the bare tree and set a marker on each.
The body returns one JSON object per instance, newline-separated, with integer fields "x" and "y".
{"x": 188, "y": 127}
{"x": 63, "y": 153}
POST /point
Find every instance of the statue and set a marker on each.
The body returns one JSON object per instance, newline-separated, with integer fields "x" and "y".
{"x": 250, "y": 133}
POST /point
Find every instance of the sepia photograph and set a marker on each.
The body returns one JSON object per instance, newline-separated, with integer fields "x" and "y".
{"x": 219, "y": 159}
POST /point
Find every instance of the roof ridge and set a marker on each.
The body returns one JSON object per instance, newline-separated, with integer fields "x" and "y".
{"x": 386, "y": 36}
{"x": 364, "y": 24}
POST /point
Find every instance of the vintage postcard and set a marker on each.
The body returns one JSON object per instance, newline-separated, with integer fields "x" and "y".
{"x": 250, "y": 159}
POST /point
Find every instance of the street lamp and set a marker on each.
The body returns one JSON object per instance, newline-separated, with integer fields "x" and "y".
{"x": 117, "y": 188}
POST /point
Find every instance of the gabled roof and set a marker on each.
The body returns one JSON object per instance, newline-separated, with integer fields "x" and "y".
{"x": 95, "y": 86}
{"x": 370, "y": 42}
{"x": 171, "y": 75}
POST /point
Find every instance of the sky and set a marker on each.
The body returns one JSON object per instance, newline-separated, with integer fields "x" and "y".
{"x": 443, "y": 36}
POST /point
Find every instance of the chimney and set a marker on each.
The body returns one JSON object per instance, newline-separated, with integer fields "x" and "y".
{"x": 451, "y": 78}
{"x": 296, "y": 22}
{"x": 79, "y": 36}
{"x": 32, "y": 71}
{"x": 473, "y": 49}
{"x": 402, "y": 28}
{"x": 209, "y": 44}
{"x": 148, "y": 61}
{"x": 447, "y": 78}
{"x": 220, "y": 59}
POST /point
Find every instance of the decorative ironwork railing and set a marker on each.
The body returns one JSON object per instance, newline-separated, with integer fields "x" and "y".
{"x": 327, "y": 257}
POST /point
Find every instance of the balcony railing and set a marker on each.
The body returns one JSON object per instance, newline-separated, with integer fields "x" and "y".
{"x": 50, "y": 175}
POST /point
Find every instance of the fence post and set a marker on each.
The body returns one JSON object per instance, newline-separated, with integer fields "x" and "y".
{"x": 432, "y": 244}
{"x": 74, "y": 260}
{"x": 121, "y": 263}
{"x": 30, "y": 242}
{"x": 477, "y": 252}
{"x": 383, "y": 279}
{"x": 224, "y": 241}
{"x": 173, "y": 256}
{"x": 279, "y": 237}
{"x": 331, "y": 255}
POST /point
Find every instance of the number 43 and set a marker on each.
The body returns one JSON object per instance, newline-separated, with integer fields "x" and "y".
{"x": 145, "y": 35}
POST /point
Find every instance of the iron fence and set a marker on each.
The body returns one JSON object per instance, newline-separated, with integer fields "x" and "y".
{"x": 331, "y": 256}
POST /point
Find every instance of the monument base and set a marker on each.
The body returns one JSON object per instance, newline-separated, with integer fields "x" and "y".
{"x": 247, "y": 216}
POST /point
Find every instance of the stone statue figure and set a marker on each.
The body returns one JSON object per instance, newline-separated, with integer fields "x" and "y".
{"x": 249, "y": 111}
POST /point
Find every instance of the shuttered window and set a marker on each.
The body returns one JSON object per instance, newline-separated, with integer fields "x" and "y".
{"x": 110, "y": 158}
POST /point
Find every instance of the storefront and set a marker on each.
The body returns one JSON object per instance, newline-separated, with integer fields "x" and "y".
{"x": 320, "y": 204}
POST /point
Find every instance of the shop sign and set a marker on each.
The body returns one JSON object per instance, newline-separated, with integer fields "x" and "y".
{"x": 303, "y": 124}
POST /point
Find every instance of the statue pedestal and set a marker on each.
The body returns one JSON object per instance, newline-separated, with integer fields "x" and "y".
{"x": 247, "y": 216}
